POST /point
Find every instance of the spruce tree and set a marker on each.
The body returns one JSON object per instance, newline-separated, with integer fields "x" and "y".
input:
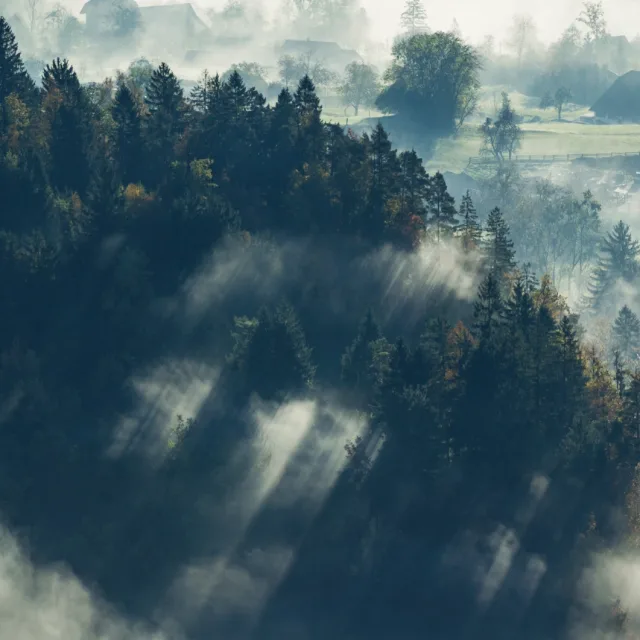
{"x": 356, "y": 361}
{"x": 415, "y": 187}
{"x": 384, "y": 169}
{"x": 488, "y": 308}
{"x": 236, "y": 97}
{"x": 13, "y": 75}
{"x": 310, "y": 129}
{"x": 414, "y": 17}
{"x": 441, "y": 212}
{"x": 128, "y": 143}
{"x": 626, "y": 333}
{"x": 165, "y": 100}
{"x": 618, "y": 262}
{"x": 70, "y": 127}
{"x": 498, "y": 246}
{"x": 469, "y": 229}
{"x": 307, "y": 101}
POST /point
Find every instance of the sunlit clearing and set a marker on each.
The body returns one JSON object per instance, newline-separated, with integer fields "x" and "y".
{"x": 172, "y": 389}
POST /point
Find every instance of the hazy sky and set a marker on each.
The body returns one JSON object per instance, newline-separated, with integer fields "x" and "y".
{"x": 479, "y": 18}
{"x": 474, "y": 17}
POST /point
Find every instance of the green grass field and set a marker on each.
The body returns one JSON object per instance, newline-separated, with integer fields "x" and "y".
{"x": 547, "y": 137}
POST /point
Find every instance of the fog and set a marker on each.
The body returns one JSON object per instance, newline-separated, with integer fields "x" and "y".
{"x": 475, "y": 19}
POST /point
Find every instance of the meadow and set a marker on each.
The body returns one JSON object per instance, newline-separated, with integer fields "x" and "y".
{"x": 545, "y": 137}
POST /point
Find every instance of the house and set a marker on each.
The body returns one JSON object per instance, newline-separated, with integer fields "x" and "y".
{"x": 621, "y": 102}
{"x": 167, "y": 26}
{"x": 107, "y": 16}
{"x": 174, "y": 25}
{"x": 329, "y": 53}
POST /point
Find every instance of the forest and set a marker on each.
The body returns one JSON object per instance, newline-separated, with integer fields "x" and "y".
{"x": 262, "y": 377}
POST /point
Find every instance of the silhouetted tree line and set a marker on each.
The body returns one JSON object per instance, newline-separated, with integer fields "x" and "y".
{"x": 109, "y": 204}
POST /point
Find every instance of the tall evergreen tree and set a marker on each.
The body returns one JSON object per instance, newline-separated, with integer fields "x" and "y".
{"x": 415, "y": 187}
{"x": 414, "y": 17}
{"x": 469, "y": 229}
{"x": 356, "y": 361}
{"x": 164, "y": 94}
{"x": 236, "y": 97}
{"x": 13, "y": 75}
{"x": 384, "y": 170}
{"x": 441, "y": 212}
{"x": 128, "y": 143}
{"x": 70, "y": 127}
{"x": 618, "y": 262}
{"x": 498, "y": 246}
{"x": 488, "y": 308}
{"x": 310, "y": 128}
{"x": 165, "y": 100}
{"x": 626, "y": 333}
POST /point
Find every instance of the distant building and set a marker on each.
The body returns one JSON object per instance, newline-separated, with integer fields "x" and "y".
{"x": 329, "y": 53}
{"x": 621, "y": 102}
{"x": 168, "y": 25}
{"x": 174, "y": 25}
{"x": 107, "y": 16}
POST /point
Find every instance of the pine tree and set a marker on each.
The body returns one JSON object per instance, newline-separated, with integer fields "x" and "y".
{"x": 520, "y": 309}
{"x": 488, "y": 308}
{"x": 70, "y": 128}
{"x": 60, "y": 76}
{"x": 165, "y": 101}
{"x": 414, "y": 17}
{"x": 128, "y": 144}
{"x": 415, "y": 187}
{"x": 236, "y": 97}
{"x": 356, "y": 361}
{"x": 617, "y": 263}
{"x": 498, "y": 246}
{"x": 631, "y": 405}
{"x": 441, "y": 212}
{"x": 383, "y": 163}
{"x": 626, "y": 333}
{"x": 469, "y": 229}
{"x": 570, "y": 372}
{"x": 310, "y": 128}
{"x": 13, "y": 75}
{"x": 165, "y": 96}
{"x": 306, "y": 101}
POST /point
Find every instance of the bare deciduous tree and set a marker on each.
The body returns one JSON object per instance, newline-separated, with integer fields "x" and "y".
{"x": 523, "y": 31}
{"x": 592, "y": 16}
{"x": 33, "y": 13}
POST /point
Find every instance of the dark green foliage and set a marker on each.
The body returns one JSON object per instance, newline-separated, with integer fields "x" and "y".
{"x": 357, "y": 373}
{"x": 469, "y": 229}
{"x": 13, "y": 75}
{"x": 128, "y": 143}
{"x": 626, "y": 333}
{"x": 70, "y": 129}
{"x": 618, "y": 263}
{"x": 488, "y": 308}
{"x": 117, "y": 305}
{"x": 271, "y": 354}
{"x": 433, "y": 80}
{"x": 498, "y": 246}
{"x": 441, "y": 212}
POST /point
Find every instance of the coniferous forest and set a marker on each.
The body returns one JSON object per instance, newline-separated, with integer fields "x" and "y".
{"x": 238, "y": 395}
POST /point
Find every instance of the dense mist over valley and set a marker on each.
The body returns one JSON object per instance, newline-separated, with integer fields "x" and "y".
{"x": 319, "y": 319}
